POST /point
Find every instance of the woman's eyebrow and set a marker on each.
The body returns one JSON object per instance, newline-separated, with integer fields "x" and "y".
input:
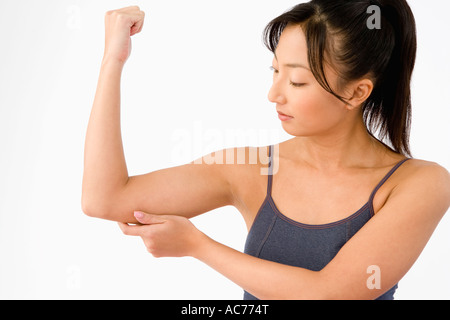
{"x": 293, "y": 65}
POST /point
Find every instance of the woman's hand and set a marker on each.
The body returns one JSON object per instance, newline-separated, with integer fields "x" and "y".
{"x": 120, "y": 25}
{"x": 166, "y": 235}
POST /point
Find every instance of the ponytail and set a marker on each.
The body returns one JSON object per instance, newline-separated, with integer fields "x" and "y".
{"x": 388, "y": 110}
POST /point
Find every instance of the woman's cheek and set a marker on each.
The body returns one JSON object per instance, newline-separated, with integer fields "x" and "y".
{"x": 312, "y": 114}
{"x": 308, "y": 113}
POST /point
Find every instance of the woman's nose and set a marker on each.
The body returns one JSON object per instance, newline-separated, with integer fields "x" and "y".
{"x": 276, "y": 95}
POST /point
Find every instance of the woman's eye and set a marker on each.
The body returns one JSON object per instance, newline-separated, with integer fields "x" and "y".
{"x": 294, "y": 84}
{"x": 297, "y": 85}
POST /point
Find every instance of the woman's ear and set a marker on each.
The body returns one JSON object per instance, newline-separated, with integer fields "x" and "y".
{"x": 359, "y": 91}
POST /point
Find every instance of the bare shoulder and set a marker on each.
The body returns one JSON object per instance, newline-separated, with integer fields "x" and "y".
{"x": 425, "y": 180}
{"x": 422, "y": 170}
{"x": 245, "y": 170}
{"x": 240, "y": 165}
{"x": 246, "y": 164}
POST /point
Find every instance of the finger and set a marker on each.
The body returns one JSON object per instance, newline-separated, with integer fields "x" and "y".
{"x": 132, "y": 15}
{"x": 130, "y": 9}
{"x": 130, "y": 230}
{"x": 142, "y": 24}
{"x": 138, "y": 23}
{"x": 137, "y": 28}
{"x": 147, "y": 218}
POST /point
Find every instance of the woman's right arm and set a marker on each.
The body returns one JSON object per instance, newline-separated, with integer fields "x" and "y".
{"x": 105, "y": 170}
{"x": 107, "y": 190}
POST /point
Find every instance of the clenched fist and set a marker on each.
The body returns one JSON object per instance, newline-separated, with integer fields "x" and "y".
{"x": 120, "y": 25}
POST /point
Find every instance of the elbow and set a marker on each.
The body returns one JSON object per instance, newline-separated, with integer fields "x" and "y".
{"x": 90, "y": 211}
{"x": 94, "y": 210}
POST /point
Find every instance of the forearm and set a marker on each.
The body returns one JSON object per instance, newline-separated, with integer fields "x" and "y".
{"x": 105, "y": 170}
{"x": 264, "y": 279}
{"x": 176, "y": 236}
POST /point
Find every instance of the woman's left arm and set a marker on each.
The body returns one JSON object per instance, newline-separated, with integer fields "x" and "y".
{"x": 369, "y": 264}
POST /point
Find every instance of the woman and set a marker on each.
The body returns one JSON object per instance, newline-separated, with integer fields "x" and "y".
{"x": 340, "y": 215}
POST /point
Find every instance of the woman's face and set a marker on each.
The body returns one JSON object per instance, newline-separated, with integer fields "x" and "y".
{"x": 313, "y": 111}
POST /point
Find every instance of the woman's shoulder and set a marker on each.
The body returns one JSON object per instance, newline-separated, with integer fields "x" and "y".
{"x": 424, "y": 168}
{"x": 427, "y": 179}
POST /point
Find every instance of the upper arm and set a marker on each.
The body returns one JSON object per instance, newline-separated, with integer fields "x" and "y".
{"x": 187, "y": 190}
{"x": 393, "y": 239}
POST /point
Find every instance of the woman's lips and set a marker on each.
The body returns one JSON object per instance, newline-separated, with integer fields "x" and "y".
{"x": 283, "y": 117}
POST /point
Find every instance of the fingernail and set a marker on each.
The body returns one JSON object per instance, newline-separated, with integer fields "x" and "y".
{"x": 138, "y": 214}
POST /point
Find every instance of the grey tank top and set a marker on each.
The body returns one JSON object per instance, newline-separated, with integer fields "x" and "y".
{"x": 275, "y": 237}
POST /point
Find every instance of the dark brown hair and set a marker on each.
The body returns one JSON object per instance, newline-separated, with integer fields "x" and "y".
{"x": 339, "y": 30}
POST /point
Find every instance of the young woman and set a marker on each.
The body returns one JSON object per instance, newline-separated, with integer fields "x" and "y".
{"x": 343, "y": 215}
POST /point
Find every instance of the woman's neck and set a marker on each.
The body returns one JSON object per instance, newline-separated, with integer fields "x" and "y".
{"x": 344, "y": 148}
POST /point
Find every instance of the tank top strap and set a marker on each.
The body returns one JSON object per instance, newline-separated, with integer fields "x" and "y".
{"x": 387, "y": 176}
{"x": 270, "y": 174}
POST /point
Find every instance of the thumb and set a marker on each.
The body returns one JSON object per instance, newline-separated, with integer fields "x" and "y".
{"x": 147, "y": 218}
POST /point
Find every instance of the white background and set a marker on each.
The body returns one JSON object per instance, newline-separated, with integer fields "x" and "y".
{"x": 196, "y": 82}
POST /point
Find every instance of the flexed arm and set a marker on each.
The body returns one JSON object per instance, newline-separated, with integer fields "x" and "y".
{"x": 105, "y": 170}
{"x": 108, "y": 192}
